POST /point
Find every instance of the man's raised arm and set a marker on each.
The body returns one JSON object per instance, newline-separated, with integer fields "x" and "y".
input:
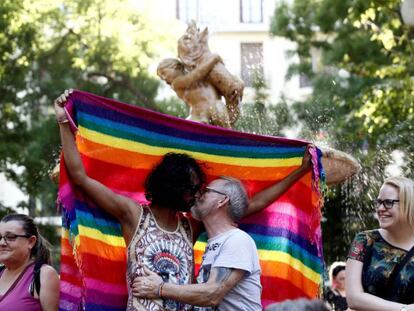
{"x": 272, "y": 193}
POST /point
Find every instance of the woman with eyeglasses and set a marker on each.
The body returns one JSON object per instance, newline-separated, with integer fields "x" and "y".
{"x": 27, "y": 281}
{"x": 380, "y": 266}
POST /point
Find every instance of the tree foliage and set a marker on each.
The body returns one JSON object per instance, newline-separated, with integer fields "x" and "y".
{"x": 261, "y": 116}
{"x": 47, "y": 46}
{"x": 359, "y": 56}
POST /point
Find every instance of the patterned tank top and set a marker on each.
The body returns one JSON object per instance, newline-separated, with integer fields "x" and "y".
{"x": 170, "y": 254}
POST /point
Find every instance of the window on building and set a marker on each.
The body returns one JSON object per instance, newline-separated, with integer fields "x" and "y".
{"x": 186, "y": 10}
{"x": 251, "y": 11}
{"x": 251, "y": 62}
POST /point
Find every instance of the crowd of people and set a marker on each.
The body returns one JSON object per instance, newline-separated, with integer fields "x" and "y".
{"x": 379, "y": 272}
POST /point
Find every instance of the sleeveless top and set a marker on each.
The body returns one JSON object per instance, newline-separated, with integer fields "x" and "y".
{"x": 169, "y": 254}
{"x": 17, "y": 297}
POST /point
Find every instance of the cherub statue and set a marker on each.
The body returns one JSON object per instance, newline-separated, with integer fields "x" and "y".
{"x": 194, "y": 89}
{"x": 200, "y": 79}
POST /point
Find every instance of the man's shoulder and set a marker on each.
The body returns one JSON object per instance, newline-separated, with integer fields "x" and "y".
{"x": 241, "y": 238}
{"x": 242, "y": 235}
{"x": 238, "y": 252}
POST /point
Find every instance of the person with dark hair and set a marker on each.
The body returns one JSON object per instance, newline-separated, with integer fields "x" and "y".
{"x": 229, "y": 277}
{"x": 335, "y": 294}
{"x": 159, "y": 236}
{"x": 174, "y": 181}
{"x": 27, "y": 281}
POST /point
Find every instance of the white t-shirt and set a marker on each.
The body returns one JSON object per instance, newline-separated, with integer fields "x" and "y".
{"x": 234, "y": 249}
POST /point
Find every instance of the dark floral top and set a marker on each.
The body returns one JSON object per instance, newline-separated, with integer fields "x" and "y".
{"x": 380, "y": 258}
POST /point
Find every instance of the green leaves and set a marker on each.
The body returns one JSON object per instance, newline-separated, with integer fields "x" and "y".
{"x": 368, "y": 41}
{"x": 362, "y": 100}
{"x": 47, "y": 46}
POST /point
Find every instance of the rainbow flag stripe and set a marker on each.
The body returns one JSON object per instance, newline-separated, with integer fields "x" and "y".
{"x": 120, "y": 143}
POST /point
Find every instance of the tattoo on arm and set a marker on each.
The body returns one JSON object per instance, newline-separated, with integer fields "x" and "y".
{"x": 222, "y": 274}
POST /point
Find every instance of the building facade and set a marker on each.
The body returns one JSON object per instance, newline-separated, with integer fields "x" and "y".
{"x": 239, "y": 33}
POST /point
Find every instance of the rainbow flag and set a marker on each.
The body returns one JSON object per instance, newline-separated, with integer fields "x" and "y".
{"x": 120, "y": 143}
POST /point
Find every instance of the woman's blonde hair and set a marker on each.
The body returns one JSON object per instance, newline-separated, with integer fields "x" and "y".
{"x": 405, "y": 188}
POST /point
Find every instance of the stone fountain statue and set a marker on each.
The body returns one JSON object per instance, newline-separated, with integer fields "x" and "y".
{"x": 200, "y": 79}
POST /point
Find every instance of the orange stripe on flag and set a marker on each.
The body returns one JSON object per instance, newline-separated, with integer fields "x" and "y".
{"x": 101, "y": 249}
{"x": 285, "y": 271}
{"x": 144, "y": 161}
{"x": 115, "y": 156}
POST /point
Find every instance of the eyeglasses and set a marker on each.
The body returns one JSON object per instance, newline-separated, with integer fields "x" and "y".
{"x": 10, "y": 237}
{"x": 208, "y": 189}
{"x": 388, "y": 204}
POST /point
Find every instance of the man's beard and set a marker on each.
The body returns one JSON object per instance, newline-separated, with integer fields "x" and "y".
{"x": 195, "y": 212}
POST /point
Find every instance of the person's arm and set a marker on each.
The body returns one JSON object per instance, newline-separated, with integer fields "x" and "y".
{"x": 357, "y": 299}
{"x": 49, "y": 289}
{"x": 211, "y": 293}
{"x": 125, "y": 210}
{"x": 198, "y": 73}
{"x": 270, "y": 194}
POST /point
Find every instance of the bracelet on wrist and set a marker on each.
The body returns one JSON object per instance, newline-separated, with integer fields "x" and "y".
{"x": 63, "y": 121}
{"x": 160, "y": 289}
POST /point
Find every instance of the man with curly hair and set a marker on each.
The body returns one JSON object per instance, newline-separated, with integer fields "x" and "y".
{"x": 229, "y": 277}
